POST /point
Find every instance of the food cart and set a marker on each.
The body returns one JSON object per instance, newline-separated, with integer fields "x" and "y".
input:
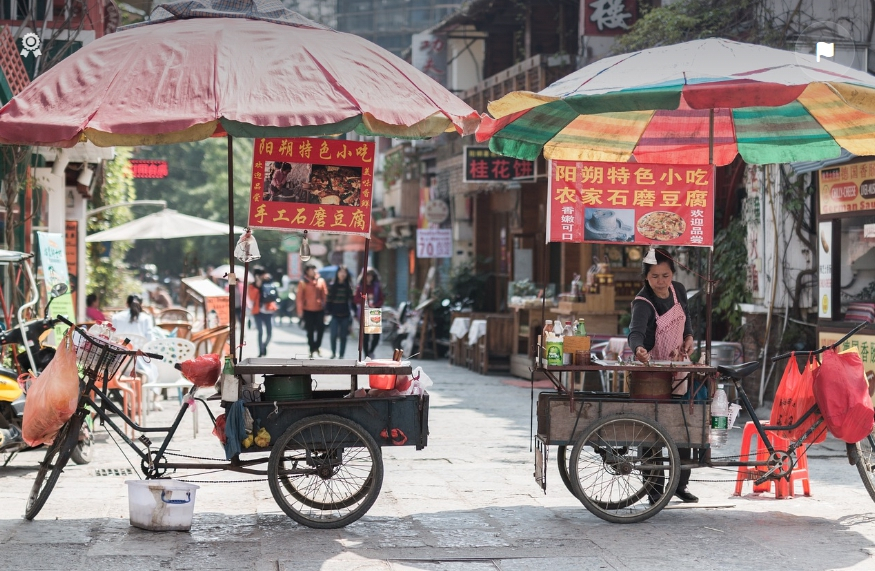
{"x": 618, "y": 448}
{"x": 359, "y": 88}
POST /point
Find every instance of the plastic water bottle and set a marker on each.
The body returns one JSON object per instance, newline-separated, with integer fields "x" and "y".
{"x": 719, "y": 418}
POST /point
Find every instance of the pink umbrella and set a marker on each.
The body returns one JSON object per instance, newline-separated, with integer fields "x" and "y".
{"x": 186, "y": 78}
{"x": 241, "y": 68}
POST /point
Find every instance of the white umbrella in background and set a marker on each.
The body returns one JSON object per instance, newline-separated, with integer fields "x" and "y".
{"x": 162, "y": 226}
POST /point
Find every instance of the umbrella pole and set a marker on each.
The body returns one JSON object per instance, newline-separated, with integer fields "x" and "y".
{"x": 363, "y": 285}
{"x": 709, "y": 284}
{"x": 243, "y": 308}
{"x": 232, "y": 281}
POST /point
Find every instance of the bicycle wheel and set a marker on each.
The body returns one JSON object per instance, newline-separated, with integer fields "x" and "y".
{"x": 53, "y": 464}
{"x": 865, "y": 462}
{"x": 325, "y": 471}
{"x": 624, "y": 468}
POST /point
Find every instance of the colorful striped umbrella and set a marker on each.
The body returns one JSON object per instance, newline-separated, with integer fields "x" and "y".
{"x": 654, "y": 106}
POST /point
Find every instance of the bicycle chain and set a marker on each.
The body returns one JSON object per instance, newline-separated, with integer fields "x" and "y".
{"x": 212, "y": 481}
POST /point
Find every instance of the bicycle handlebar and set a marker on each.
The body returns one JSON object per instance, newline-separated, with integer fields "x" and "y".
{"x": 822, "y": 349}
{"x": 87, "y": 336}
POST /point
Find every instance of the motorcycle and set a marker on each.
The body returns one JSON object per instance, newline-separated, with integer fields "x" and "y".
{"x": 35, "y": 357}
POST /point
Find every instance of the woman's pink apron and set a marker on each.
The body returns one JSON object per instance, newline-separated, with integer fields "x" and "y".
{"x": 670, "y": 338}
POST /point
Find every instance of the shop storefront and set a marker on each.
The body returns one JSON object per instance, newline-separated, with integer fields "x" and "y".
{"x": 846, "y": 254}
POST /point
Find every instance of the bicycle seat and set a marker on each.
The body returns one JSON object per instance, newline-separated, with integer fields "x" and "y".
{"x": 738, "y": 371}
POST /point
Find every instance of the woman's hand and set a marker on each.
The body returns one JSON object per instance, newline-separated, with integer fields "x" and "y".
{"x": 642, "y": 355}
{"x": 688, "y": 346}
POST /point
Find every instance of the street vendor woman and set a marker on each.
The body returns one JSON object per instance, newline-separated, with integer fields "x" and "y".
{"x": 660, "y": 330}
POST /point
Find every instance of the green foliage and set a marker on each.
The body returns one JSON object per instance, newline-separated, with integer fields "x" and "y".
{"x": 467, "y": 283}
{"x": 107, "y": 275}
{"x": 730, "y": 268}
{"x": 687, "y": 20}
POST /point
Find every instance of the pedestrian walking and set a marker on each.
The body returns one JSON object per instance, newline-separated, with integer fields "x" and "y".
{"x": 339, "y": 305}
{"x": 310, "y": 306}
{"x": 373, "y": 291}
{"x": 264, "y": 302}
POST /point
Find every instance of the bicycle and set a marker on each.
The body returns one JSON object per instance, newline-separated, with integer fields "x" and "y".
{"x": 323, "y": 458}
{"x": 619, "y": 455}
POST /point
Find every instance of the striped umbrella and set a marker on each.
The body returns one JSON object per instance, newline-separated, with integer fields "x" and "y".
{"x": 655, "y": 106}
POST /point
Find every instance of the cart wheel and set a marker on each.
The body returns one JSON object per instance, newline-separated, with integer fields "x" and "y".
{"x": 563, "y": 454}
{"x": 325, "y": 471}
{"x": 618, "y": 467}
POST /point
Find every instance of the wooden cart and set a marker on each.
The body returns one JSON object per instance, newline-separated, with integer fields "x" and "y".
{"x": 618, "y": 454}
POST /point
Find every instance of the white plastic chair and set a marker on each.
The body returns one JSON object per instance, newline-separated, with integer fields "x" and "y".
{"x": 174, "y": 350}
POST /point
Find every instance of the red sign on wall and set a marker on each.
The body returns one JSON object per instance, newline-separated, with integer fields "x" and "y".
{"x": 622, "y": 203}
{"x": 312, "y": 184}
{"x": 142, "y": 168}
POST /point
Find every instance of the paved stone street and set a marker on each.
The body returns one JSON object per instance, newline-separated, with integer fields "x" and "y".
{"x": 467, "y": 502}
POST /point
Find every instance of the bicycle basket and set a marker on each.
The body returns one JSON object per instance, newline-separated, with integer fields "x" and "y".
{"x": 98, "y": 357}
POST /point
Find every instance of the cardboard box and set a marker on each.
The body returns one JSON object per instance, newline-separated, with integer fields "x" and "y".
{"x": 575, "y": 343}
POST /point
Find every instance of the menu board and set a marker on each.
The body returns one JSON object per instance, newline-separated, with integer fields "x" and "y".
{"x": 625, "y": 203}
{"x": 847, "y": 188}
{"x": 322, "y": 185}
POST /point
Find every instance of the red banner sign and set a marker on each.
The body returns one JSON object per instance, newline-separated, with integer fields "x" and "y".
{"x": 312, "y": 184}
{"x": 142, "y": 168}
{"x": 621, "y": 203}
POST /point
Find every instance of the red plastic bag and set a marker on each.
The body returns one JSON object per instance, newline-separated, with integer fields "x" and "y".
{"x": 842, "y": 394}
{"x": 53, "y": 396}
{"x": 784, "y": 408}
{"x": 203, "y": 371}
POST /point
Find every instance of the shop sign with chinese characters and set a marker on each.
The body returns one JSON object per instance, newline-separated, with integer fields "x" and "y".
{"x": 631, "y": 203}
{"x": 824, "y": 270}
{"x": 482, "y": 165}
{"x": 609, "y": 17}
{"x": 312, "y": 184}
{"x": 847, "y": 188}
{"x": 865, "y": 344}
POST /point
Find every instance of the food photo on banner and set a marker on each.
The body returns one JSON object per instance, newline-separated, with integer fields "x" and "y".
{"x": 609, "y": 203}
{"x": 312, "y": 184}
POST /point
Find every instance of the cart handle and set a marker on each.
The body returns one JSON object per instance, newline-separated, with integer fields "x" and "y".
{"x": 822, "y": 349}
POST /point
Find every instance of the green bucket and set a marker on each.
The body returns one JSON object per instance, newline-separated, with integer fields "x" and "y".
{"x": 287, "y": 387}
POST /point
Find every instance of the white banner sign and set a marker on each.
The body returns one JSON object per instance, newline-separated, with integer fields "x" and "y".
{"x": 824, "y": 270}
{"x": 437, "y": 243}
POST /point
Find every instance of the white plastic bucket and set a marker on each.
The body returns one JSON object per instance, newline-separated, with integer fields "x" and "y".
{"x": 161, "y": 505}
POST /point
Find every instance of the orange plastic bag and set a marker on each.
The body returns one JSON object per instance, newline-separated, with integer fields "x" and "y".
{"x": 52, "y": 397}
{"x": 794, "y": 397}
{"x": 843, "y": 395}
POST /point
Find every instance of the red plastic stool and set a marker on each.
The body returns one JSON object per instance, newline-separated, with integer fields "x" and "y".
{"x": 783, "y": 488}
{"x": 750, "y": 472}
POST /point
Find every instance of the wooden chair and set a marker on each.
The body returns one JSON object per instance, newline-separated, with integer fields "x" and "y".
{"x": 494, "y": 349}
{"x": 456, "y": 353}
{"x": 211, "y": 341}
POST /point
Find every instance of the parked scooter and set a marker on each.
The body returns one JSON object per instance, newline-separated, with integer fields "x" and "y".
{"x": 34, "y": 358}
